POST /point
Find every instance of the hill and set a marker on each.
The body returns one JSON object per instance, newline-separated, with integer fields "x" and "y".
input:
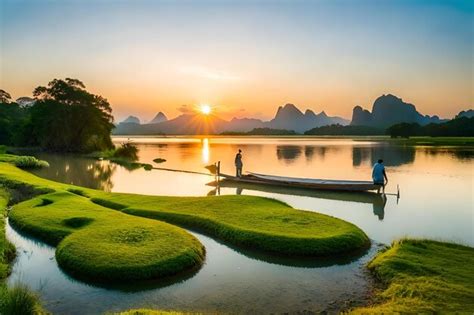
{"x": 389, "y": 110}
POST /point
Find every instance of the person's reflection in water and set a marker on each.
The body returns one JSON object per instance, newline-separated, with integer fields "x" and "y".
{"x": 379, "y": 206}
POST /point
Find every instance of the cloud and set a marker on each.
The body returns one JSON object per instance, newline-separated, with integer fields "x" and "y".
{"x": 211, "y": 74}
{"x": 185, "y": 109}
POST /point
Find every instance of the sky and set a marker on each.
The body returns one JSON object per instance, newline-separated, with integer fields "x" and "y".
{"x": 244, "y": 58}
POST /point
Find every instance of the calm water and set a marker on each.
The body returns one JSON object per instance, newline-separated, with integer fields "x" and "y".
{"x": 436, "y": 201}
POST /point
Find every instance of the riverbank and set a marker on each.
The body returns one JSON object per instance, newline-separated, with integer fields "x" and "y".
{"x": 423, "y": 276}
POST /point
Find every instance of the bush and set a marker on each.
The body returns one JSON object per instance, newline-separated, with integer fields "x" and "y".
{"x": 127, "y": 150}
{"x": 30, "y": 162}
{"x": 20, "y": 300}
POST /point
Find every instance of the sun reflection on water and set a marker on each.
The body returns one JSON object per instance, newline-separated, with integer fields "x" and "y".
{"x": 205, "y": 150}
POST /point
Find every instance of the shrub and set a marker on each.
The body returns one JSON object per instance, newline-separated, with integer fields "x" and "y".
{"x": 30, "y": 162}
{"x": 127, "y": 150}
{"x": 20, "y": 300}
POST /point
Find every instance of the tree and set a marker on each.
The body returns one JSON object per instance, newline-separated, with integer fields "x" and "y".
{"x": 404, "y": 130}
{"x": 66, "y": 117}
{"x": 4, "y": 97}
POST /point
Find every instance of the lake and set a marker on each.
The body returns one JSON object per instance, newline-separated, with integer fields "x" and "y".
{"x": 436, "y": 201}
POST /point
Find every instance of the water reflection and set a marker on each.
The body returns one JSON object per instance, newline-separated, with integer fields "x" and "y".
{"x": 392, "y": 155}
{"x": 205, "y": 150}
{"x": 288, "y": 153}
{"x": 229, "y": 282}
{"x": 378, "y": 201}
{"x": 460, "y": 154}
{"x": 435, "y": 178}
{"x": 79, "y": 171}
{"x": 379, "y": 206}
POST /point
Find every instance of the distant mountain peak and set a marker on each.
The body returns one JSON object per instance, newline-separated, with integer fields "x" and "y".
{"x": 131, "y": 119}
{"x": 388, "y": 110}
{"x": 309, "y": 113}
{"x": 288, "y": 111}
{"x": 160, "y": 117}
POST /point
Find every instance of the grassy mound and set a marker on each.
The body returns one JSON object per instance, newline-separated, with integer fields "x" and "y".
{"x": 245, "y": 221}
{"x": 248, "y": 221}
{"x": 423, "y": 276}
{"x": 98, "y": 243}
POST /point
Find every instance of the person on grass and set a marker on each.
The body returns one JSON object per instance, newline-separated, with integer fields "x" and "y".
{"x": 238, "y": 164}
{"x": 379, "y": 176}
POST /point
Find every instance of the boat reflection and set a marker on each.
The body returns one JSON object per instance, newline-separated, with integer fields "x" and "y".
{"x": 378, "y": 201}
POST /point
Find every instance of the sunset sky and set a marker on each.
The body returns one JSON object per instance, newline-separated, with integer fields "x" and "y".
{"x": 244, "y": 58}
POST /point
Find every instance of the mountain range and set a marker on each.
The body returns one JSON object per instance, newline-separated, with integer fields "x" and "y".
{"x": 287, "y": 117}
{"x": 389, "y": 110}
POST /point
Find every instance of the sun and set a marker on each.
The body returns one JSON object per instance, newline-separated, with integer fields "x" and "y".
{"x": 206, "y": 109}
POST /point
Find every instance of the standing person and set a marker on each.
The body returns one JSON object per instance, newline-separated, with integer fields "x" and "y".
{"x": 238, "y": 164}
{"x": 379, "y": 176}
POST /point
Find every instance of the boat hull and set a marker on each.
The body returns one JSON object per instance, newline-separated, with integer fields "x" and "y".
{"x": 332, "y": 185}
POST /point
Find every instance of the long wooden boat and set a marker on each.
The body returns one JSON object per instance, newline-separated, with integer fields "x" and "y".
{"x": 308, "y": 183}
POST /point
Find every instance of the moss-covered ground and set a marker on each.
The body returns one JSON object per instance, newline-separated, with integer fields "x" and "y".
{"x": 423, "y": 277}
{"x": 246, "y": 221}
{"x": 93, "y": 241}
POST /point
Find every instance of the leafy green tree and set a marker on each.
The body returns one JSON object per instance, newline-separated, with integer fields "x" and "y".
{"x": 12, "y": 119}
{"x": 66, "y": 117}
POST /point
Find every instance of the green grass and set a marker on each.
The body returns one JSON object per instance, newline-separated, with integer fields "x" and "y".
{"x": 20, "y": 300}
{"x": 98, "y": 243}
{"x": 101, "y": 235}
{"x": 247, "y": 221}
{"x": 7, "y": 250}
{"x": 423, "y": 276}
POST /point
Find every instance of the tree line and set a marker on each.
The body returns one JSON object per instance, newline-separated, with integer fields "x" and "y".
{"x": 63, "y": 116}
{"x": 458, "y": 127}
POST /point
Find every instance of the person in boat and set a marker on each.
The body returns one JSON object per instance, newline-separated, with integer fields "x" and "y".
{"x": 379, "y": 176}
{"x": 238, "y": 164}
